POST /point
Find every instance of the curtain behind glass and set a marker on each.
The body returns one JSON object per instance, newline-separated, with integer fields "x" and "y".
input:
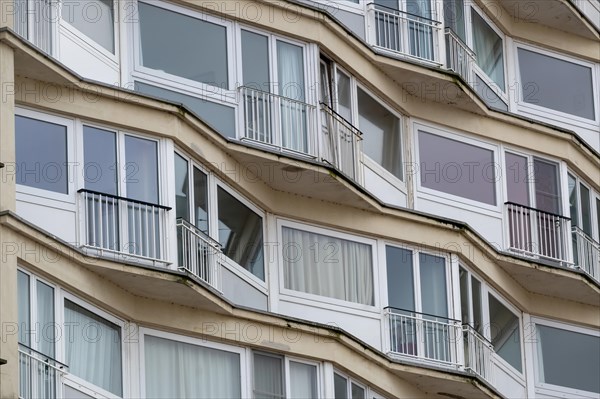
{"x": 268, "y": 377}
{"x": 303, "y": 381}
{"x": 45, "y": 309}
{"x": 180, "y": 370}
{"x": 93, "y": 348}
{"x": 327, "y": 266}
{"x": 488, "y": 49}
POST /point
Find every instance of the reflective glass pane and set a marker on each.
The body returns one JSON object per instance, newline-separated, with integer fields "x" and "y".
{"x": 344, "y": 96}
{"x": 540, "y": 85}
{"x": 241, "y": 233}
{"x": 182, "y": 188}
{"x": 504, "y": 333}
{"x": 141, "y": 169}
{"x": 24, "y": 308}
{"x": 303, "y": 381}
{"x": 94, "y": 18}
{"x": 357, "y": 392}
{"x": 381, "y": 133}
{"x": 465, "y": 303}
{"x": 457, "y": 168}
{"x": 517, "y": 179}
{"x": 340, "y": 386}
{"x": 568, "y": 358}
{"x": 434, "y": 298}
{"x": 477, "y": 310}
{"x": 573, "y": 201}
{"x": 181, "y": 37}
{"x": 488, "y": 47}
{"x": 45, "y": 318}
{"x": 268, "y": 377}
{"x": 41, "y": 154}
{"x": 400, "y": 281}
{"x": 586, "y": 211}
{"x": 255, "y": 61}
{"x": 100, "y": 160}
{"x": 546, "y": 186}
{"x": 201, "y": 200}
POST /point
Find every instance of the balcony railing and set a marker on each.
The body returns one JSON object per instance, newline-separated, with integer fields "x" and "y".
{"x": 117, "y": 225}
{"x": 405, "y": 34}
{"x": 586, "y": 253}
{"x": 459, "y": 57}
{"x": 342, "y": 143}
{"x": 478, "y": 353}
{"x": 279, "y": 122}
{"x": 424, "y": 337}
{"x": 39, "y": 375}
{"x": 199, "y": 254}
{"x": 536, "y": 233}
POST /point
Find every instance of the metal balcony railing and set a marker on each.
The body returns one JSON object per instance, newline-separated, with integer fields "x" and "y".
{"x": 40, "y": 376}
{"x": 280, "y": 122}
{"x": 405, "y": 33}
{"x": 342, "y": 146}
{"x": 423, "y": 336}
{"x": 586, "y": 253}
{"x": 459, "y": 57}
{"x": 123, "y": 226}
{"x": 478, "y": 353}
{"x": 199, "y": 254}
{"x": 536, "y": 233}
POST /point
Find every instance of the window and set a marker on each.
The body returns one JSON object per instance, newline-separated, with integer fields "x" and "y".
{"x": 183, "y": 37}
{"x": 540, "y": 86}
{"x": 457, "y": 168}
{"x": 97, "y": 359}
{"x": 328, "y": 266}
{"x": 567, "y": 358}
{"x": 505, "y": 333}
{"x": 94, "y": 18}
{"x": 488, "y": 47}
{"x": 226, "y": 221}
{"x": 36, "y": 314}
{"x": 348, "y": 388}
{"x": 184, "y": 370}
{"x": 280, "y": 377}
{"x": 41, "y": 154}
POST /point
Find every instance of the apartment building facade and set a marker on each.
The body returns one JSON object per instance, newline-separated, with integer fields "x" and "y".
{"x": 300, "y": 198}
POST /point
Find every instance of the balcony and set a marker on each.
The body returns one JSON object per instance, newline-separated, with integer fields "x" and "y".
{"x": 199, "y": 254}
{"x": 586, "y": 253}
{"x": 478, "y": 353}
{"x": 118, "y": 226}
{"x": 538, "y": 234}
{"x": 33, "y": 20}
{"x": 40, "y": 376}
{"x": 424, "y": 337}
{"x": 404, "y": 34}
{"x": 342, "y": 143}
{"x": 281, "y": 123}
{"x": 459, "y": 57}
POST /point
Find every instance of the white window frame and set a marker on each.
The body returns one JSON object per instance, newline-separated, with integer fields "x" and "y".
{"x": 46, "y": 197}
{"x": 180, "y": 84}
{"x": 593, "y": 195}
{"x": 78, "y": 383}
{"x": 369, "y": 392}
{"x": 545, "y": 388}
{"x": 540, "y": 112}
{"x": 143, "y": 331}
{"x": 88, "y": 43}
{"x": 451, "y": 199}
{"x": 502, "y": 93}
{"x": 325, "y": 302}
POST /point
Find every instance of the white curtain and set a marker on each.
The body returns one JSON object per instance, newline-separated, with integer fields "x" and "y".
{"x": 268, "y": 377}
{"x": 303, "y": 381}
{"x": 540, "y": 355}
{"x": 290, "y": 73}
{"x": 327, "y": 266}
{"x": 93, "y": 348}
{"x": 488, "y": 49}
{"x": 180, "y": 370}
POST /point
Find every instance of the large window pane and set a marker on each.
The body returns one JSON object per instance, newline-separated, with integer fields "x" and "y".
{"x": 255, "y": 60}
{"x": 477, "y": 310}
{"x": 203, "y": 45}
{"x": 327, "y": 266}
{"x": 401, "y": 293}
{"x": 24, "y": 308}
{"x": 181, "y": 370}
{"x": 517, "y": 179}
{"x": 358, "y": 392}
{"x": 93, "y": 348}
{"x": 541, "y": 85}
{"x": 241, "y": 233}
{"x": 547, "y": 186}
{"x": 504, "y": 333}
{"x": 457, "y": 168}
{"x": 488, "y": 49}
{"x": 340, "y": 387}
{"x": 141, "y": 169}
{"x": 94, "y": 18}
{"x": 434, "y": 299}
{"x": 568, "y": 359}
{"x": 100, "y": 157}
{"x": 41, "y": 154}
{"x": 344, "y": 95}
{"x": 268, "y": 377}
{"x": 303, "y": 381}
{"x": 45, "y": 318}
{"x": 381, "y": 133}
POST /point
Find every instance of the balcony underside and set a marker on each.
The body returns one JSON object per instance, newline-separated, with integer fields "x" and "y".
{"x": 549, "y": 279}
